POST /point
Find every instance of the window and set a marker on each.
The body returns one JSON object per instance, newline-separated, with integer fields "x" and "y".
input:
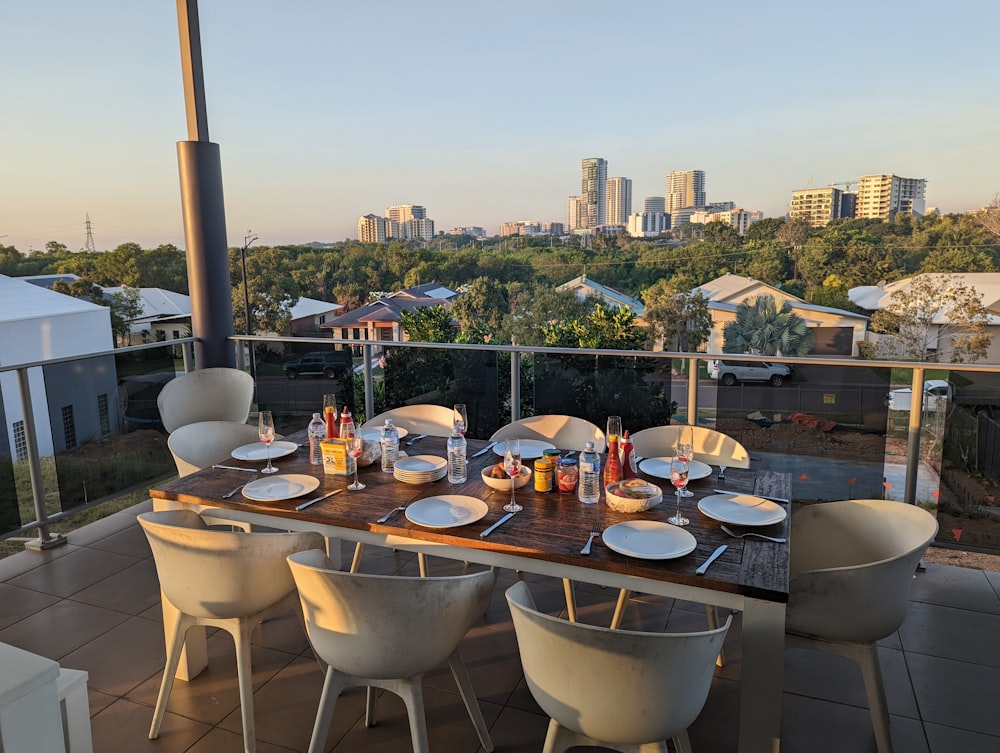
{"x": 385, "y": 333}
{"x": 322, "y": 318}
{"x": 69, "y": 428}
{"x": 20, "y": 442}
{"x": 102, "y": 415}
{"x": 357, "y": 334}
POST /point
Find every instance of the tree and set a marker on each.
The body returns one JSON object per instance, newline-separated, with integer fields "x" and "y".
{"x": 679, "y": 320}
{"x": 126, "y": 307}
{"x": 989, "y": 217}
{"x": 934, "y": 318}
{"x": 272, "y": 290}
{"x": 537, "y": 307}
{"x": 482, "y": 311}
{"x": 762, "y": 328}
{"x": 606, "y": 327}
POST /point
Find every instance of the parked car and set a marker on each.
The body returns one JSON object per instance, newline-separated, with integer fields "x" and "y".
{"x": 732, "y": 372}
{"x": 937, "y": 393}
{"x": 328, "y": 363}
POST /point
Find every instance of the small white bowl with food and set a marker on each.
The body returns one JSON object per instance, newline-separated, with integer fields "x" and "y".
{"x": 633, "y": 495}
{"x": 496, "y": 477}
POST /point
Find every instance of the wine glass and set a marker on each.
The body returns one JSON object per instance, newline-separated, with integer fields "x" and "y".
{"x": 355, "y": 446}
{"x": 265, "y": 429}
{"x": 679, "y": 478}
{"x": 614, "y": 428}
{"x": 461, "y": 419}
{"x": 512, "y": 464}
{"x": 684, "y": 451}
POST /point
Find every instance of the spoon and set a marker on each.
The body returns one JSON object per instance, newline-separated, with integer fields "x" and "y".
{"x": 775, "y": 539}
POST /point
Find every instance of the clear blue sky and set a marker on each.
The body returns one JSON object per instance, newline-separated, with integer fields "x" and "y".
{"x": 481, "y": 111}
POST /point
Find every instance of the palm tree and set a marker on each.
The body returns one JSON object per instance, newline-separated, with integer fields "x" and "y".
{"x": 764, "y": 329}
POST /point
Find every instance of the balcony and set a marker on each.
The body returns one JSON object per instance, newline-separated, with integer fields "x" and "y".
{"x": 93, "y": 603}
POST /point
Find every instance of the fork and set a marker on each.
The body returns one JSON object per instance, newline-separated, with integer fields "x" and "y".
{"x": 390, "y": 513}
{"x": 775, "y": 539}
{"x": 594, "y": 533}
{"x": 227, "y": 495}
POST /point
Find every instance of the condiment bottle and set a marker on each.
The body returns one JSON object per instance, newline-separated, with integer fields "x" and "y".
{"x": 346, "y": 423}
{"x": 330, "y": 418}
{"x": 628, "y": 471}
{"x": 613, "y": 468}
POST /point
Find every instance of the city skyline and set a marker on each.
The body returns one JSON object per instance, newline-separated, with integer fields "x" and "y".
{"x": 94, "y": 108}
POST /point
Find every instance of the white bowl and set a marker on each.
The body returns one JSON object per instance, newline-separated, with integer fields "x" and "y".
{"x": 503, "y": 484}
{"x": 642, "y": 496}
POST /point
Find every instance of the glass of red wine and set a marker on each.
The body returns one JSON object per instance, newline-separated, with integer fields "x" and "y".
{"x": 679, "y": 478}
{"x": 512, "y": 464}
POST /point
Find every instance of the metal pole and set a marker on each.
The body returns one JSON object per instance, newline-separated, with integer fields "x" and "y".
{"x": 45, "y": 539}
{"x": 247, "y": 241}
{"x": 913, "y": 436}
{"x": 692, "y": 385}
{"x": 367, "y": 354}
{"x": 515, "y": 386}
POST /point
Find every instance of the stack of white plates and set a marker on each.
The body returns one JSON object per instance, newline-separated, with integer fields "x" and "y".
{"x": 420, "y": 469}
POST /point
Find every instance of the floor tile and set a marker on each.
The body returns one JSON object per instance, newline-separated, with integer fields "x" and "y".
{"x": 956, "y": 694}
{"x": 955, "y": 587}
{"x": 950, "y": 740}
{"x": 952, "y": 634}
{"x": 92, "y": 533}
{"x": 810, "y": 725}
{"x": 132, "y": 590}
{"x": 123, "y": 727}
{"x": 19, "y": 603}
{"x": 64, "y": 627}
{"x": 74, "y": 572}
{"x": 26, "y": 561}
{"x": 121, "y": 658}
{"x": 131, "y": 542}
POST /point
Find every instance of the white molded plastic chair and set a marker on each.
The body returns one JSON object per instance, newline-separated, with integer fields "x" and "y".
{"x": 852, "y": 566}
{"x": 220, "y": 579}
{"x": 199, "y": 445}
{"x": 710, "y": 446}
{"x": 565, "y": 432}
{"x": 217, "y": 394}
{"x": 433, "y": 420}
{"x": 386, "y": 632}
{"x": 624, "y": 690}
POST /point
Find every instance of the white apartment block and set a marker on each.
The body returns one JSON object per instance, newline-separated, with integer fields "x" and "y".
{"x": 619, "y": 198}
{"x": 685, "y": 188}
{"x": 739, "y": 219}
{"x": 420, "y": 228}
{"x": 371, "y": 229}
{"x": 577, "y": 213}
{"x": 593, "y": 188}
{"x": 817, "y": 206}
{"x": 403, "y": 212}
{"x": 648, "y": 224}
{"x": 884, "y": 196}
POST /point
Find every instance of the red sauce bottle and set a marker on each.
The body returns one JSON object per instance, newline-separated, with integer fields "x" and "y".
{"x": 613, "y": 468}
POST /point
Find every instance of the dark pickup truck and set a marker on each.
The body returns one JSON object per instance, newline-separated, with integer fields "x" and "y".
{"x": 328, "y": 363}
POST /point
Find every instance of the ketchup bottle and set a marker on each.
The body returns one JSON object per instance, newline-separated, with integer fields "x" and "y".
{"x": 627, "y": 470}
{"x": 346, "y": 423}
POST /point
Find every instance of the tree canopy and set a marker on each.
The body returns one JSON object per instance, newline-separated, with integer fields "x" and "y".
{"x": 763, "y": 328}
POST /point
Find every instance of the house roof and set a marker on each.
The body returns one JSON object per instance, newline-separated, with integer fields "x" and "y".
{"x": 383, "y": 310}
{"x": 158, "y": 303}
{"x": 20, "y": 301}
{"x": 725, "y": 293}
{"x": 306, "y": 307}
{"x": 47, "y": 281}
{"x": 585, "y": 285}
{"x": 877, "y": 297}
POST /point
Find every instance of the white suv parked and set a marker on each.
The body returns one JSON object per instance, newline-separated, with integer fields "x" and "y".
{"x": 731, "y": 372}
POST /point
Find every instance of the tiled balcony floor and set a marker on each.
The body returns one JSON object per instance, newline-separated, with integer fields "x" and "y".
{"x": 94, "y": 605}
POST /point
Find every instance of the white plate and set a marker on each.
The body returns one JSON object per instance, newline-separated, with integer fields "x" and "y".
{"x": 374, "y": 433}
{"x": 660, "y": 467}
{"x": 742, "y": 509}
{"x": 446, "y": 511}
{"x": 649, "y": 540}
{"x": 277, "y": 488}
{"x": 258, "y": 450}
{"x": 530, "y": 448}
{"x": 420, "y": 464}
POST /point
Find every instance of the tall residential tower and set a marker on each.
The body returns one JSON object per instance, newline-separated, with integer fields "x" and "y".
{"x": 685, "y": 189}
{"x": 619, "y": 193}
{"x": 884, "y": 196}
{"x": 593, "y": 190}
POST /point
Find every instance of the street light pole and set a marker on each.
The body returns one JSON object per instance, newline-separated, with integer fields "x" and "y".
{"x": 248, "y": 240}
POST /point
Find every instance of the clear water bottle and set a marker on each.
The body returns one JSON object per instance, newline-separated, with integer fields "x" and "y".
{"x": 390, "y": 445}
{"x": 589, "y": 489}
{"x": 457, "y": 473}
{"x": 317, "y": 433}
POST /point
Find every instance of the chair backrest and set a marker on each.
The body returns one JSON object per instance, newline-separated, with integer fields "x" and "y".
{"x": 710, "y": 446}
{"x": 220, "y": 574}
{"x": 433, "y": 420}
{"x": 658, "y": 681}
{"x": 217, "y": 394}
{"x": 852, "y": 565}
{"x": 565, "y": 432}
{"x": 384, "y": 626}
{"x": 198, "y": 445}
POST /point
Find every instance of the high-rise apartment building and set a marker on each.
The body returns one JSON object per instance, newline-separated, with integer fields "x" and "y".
{"x": 737, "y": 218}
{"x": 648, "y": 224}
{"x": 577, "y": 213}
{"x": 403, "y": 212}
{"x": 593, "y": 188}
{"x": 654, "y": 204}
{"x": 885, "y": 196}
{"x": 817, "y": 206}
{"x": 685, "y": 188}
{"x": 371, "y": 229}
{"x": 619, "y": 198}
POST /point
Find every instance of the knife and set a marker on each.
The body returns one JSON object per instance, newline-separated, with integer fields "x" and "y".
{"x": 715, "y": 555}
{"x": 483, "y": 451}
{"x": 496, "y": 525}
{"x": 234, "y": 468}
{"x": 304, "y": 505}
{"x": 761, "y": 496}
{"x": 416, "y": 439}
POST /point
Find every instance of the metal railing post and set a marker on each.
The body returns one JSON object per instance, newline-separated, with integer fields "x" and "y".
{"x": 45, "y": 540}
{"x": 692, "y": 392}
{"x": 913, "y": 436}
{"x": 367, "y": 353}
{"x": 515, "y": 385}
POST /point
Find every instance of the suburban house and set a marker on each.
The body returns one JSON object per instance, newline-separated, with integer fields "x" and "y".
{"x": 838, "y": 332}
{"x": 166, "y": 315}
{"x": 382, "y": 319}
{"x": 309, "y": 315}
{"x": 586, "y": 288}
{"x": 73, "y": 402}
{"x": 987, "y": 284}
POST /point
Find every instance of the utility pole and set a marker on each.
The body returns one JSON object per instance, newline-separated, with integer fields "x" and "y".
{"x": 248, "y": 240}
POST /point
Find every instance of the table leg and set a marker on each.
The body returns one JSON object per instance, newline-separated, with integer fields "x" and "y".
{"x": 762, "y": 680}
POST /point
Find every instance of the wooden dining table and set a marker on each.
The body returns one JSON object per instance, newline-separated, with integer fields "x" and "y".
{"x": 546, "y": 537}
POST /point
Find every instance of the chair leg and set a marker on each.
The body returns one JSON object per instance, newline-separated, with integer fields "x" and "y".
{"x": 412, "y": 694}
{"x": 422, "y": 563}
{"x": 464, "y": 682}
{"x": 359, "y": 551}
{"x": 244, "y": 672}
{"x": 371, "y": 695}
{"x": 333, "y": 685}
{"x": 623, "y": 597}
{"x": 570, "y": 599}
{"x": 682, "y": 743}
{"x": 712, "y": 613}
{"x": 174, "y": 648}
{"x": 871, "y": 670}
